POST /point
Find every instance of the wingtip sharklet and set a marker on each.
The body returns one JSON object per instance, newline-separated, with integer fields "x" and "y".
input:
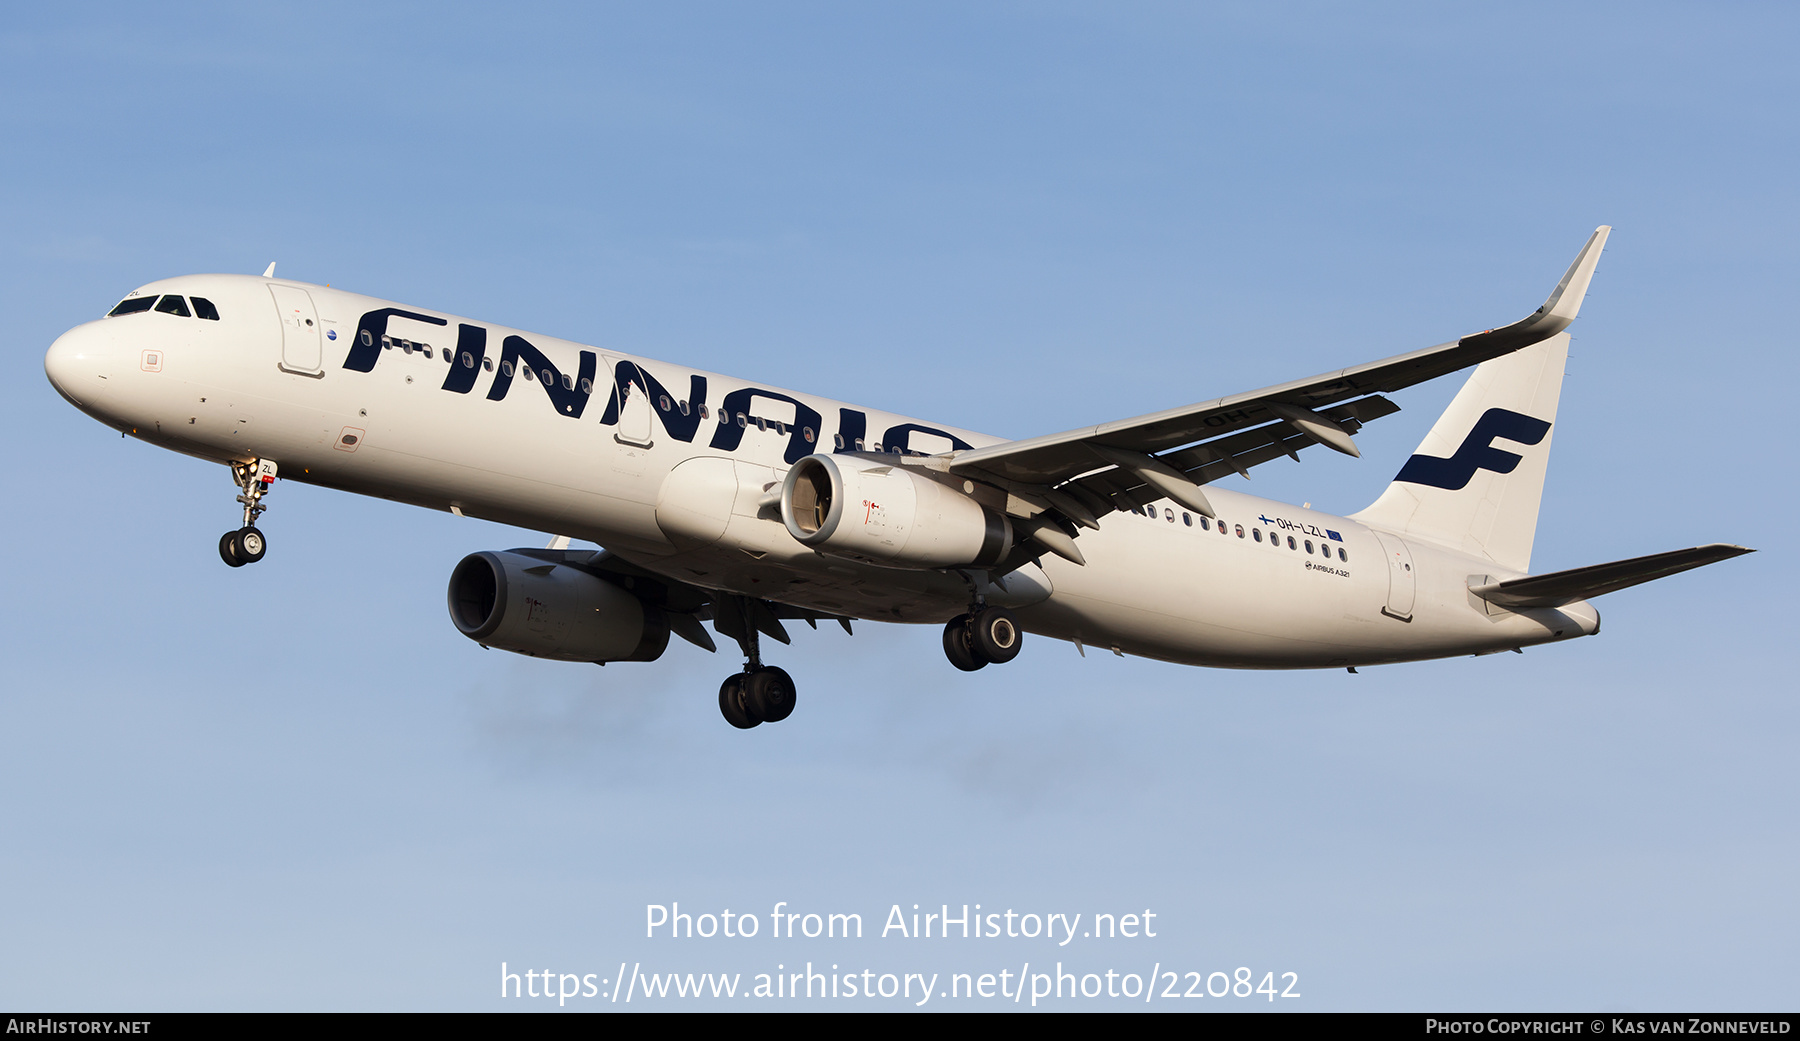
{"x": 1565, "y": 301}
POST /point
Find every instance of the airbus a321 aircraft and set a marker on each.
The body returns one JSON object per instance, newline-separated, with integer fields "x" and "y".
{"x": 744, "y": 505}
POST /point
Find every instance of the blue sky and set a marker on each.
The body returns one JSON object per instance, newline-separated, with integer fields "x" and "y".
{"x": 295, "y": 786}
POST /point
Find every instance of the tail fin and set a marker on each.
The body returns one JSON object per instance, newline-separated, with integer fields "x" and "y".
{"x": 1462, "y": 490}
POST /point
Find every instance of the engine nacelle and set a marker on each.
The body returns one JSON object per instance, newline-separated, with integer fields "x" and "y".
{"x": 548, "y": 610}
{"x": 889, "y": 515}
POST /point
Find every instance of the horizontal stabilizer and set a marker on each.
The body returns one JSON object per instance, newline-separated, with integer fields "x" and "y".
{"x": 1583, "y": 583}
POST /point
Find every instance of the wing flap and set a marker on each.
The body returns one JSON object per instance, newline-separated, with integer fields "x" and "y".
{"x": 1220, "y": 457}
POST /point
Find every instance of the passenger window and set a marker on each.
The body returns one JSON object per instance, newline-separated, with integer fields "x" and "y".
{"x": 468, "y": 360}
{"x": 568, "y": 383}
{"x": 662, "y": 402}
{"x": 506, "y": 369}
{"x": 1309, "y": 545}
{"x": 132, "y": 306}
{"x": 704, "y": 411}
{"x": 1240, "y": 531}
{"x": 837, "y": 441}
{"x": 807, "y": 432}
{"x": 1187, "y": 519}
{"x": 1205, "y": 525}
{"x": 488, "y": 364}
{"x": 1345, "y": 557}
{"x": 587, "y": 386}
{"x": 743, "y": 421}
{"x": 1291, "y": 543}
{"x": 203, "y": 308}
{"x": 368, "y": 340}
{"x": 1257, "y": 533}
{"x": 174, "y": 305}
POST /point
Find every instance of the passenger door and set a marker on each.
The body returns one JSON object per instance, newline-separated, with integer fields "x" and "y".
{"x": 301, "y": 351}
{"x": 1402, "y": 583}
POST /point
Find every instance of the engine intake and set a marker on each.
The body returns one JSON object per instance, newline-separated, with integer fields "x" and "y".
{"x": 549, "y": 610}
{"x": 889, "y": 515}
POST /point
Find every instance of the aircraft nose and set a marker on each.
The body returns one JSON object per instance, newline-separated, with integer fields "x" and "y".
{"x": 77, "y": 362}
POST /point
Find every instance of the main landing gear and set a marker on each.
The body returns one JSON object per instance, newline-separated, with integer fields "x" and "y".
{"x": 985, "y": 635}
{"x": 761, "y": 693}
{"x": 247, "y": 544}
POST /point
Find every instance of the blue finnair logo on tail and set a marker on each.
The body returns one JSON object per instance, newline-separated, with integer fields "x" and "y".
{"x": 1477, "y": 451}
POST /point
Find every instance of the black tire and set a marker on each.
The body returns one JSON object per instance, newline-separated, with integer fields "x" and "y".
{"x": 769, "y": 692}
{"x": 958, "y": 647}
{"x": 997, "y": 636}
{"x": 731, "y": 703}
{"x": 249, "y": 544}
{"x": 227, "y": 549}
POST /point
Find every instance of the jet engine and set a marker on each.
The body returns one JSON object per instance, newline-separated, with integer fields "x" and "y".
{"x": 889, "y": 515}
{"x": 550, "y": 610}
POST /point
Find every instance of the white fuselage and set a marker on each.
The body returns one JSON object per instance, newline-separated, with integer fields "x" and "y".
{"x": 627, "y": 461}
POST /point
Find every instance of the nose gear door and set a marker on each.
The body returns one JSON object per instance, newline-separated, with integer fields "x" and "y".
{"x": 300, "y": 348}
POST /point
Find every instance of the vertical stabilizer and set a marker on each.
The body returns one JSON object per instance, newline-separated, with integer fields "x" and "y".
{"x": 1477, "y": 479}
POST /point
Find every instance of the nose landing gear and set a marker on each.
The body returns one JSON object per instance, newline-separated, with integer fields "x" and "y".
{"x": 248, "y": 544}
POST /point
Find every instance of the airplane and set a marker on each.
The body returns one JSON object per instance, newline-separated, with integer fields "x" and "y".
{"x": 716, "y": 499}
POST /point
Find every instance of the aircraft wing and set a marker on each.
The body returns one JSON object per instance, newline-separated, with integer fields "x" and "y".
{"x": 1204, "y": 441}
{"x": 684, "y": 605}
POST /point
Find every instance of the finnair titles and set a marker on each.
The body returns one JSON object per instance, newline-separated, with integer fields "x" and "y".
{"x": 750, "y": 507}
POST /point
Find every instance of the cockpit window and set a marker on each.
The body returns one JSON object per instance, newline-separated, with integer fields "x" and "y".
{"x": 174, "y": 305}
{"x": 132, "y": 305}
{"x": 203, "y": 308}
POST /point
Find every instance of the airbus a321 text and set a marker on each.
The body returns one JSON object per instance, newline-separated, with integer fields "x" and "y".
{"x": 748, "y": 506}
